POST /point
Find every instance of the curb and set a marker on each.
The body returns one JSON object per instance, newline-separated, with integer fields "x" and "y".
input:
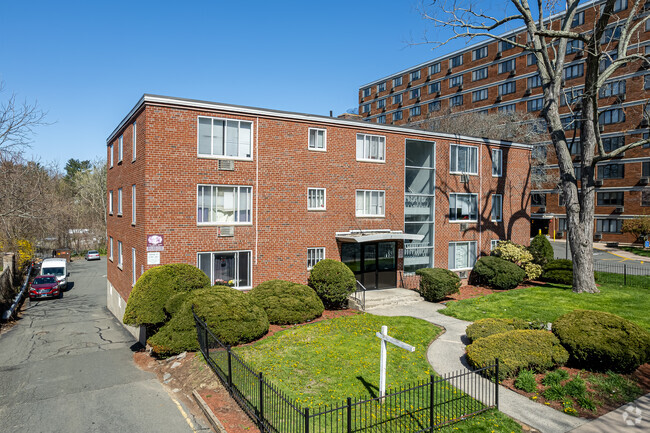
{"x": 212, "y": 419}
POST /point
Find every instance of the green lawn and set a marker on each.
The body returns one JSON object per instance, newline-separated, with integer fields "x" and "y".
{"x": 548, "y": 302}
{"x": 637, "y": 250}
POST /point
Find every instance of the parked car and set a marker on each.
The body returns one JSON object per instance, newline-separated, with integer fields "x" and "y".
{"x": 45, "y": 286}
{"x": 57, "y": 267}
{"x": 92, "y": 255}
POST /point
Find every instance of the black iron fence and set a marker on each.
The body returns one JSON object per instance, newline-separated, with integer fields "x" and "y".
{"x": 622, "y": 273}
{"x": 420, "y": 407}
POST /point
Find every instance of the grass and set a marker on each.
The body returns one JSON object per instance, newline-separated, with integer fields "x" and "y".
{"x": 636, "y": 250}
{"x": 547, "y": 303}
{"x": 622, "y": 280}
{"x": 615, "y": 387}
{"x": 491, "y": 421}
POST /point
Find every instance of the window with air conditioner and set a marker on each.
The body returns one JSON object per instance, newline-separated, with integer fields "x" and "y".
{"x": 479, "y": 53}
{"x": 463, "y": 159}
{"x": 479, "y": 95}
{"x": 463, "y": 207}
{"x": 480, "y": 74}
{"x": 507, "y": 66}
{"x": 434, "y": 87}
{"x": 462, "y": 255}
{"x": 227, "y": 268}
{"x": 455, "y": 101}
{"x": 371, "y": 148}
{"x": 415, "y": 75}
{"x": 609, "y": 198}
{"x": 224, "y": 204}
{"x": 456, "y": 61}
{"x": 434, "y": 69}
{"x": 224, "y": 138}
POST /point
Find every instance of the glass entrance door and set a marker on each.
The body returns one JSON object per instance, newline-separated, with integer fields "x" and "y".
{"x": 369, "y": 265}
{"x": 374, "y": 263}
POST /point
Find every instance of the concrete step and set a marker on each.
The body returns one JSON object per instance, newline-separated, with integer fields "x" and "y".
{"x": 388, "y": 298}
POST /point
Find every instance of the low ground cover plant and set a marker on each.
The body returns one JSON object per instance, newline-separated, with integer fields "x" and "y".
{"x": 486, "y": 327}
{"x": 526, "y": 381}
{"x": 333, "y": 282}
{"x": 437, "y": 283}
{"x": 497, "y": 273}
{"x": 286, "y": 302}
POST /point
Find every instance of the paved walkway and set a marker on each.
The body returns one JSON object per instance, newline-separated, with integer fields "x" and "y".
{"x": 633, "y": 417}
{"x": 447, "y": 354}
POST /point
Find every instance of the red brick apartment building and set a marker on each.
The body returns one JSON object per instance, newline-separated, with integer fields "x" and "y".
{"x": 249, "y": 194}
{"x": 495, "y": 76}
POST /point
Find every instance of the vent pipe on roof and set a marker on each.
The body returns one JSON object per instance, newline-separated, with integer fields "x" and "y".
{"x": 331, "y": 114}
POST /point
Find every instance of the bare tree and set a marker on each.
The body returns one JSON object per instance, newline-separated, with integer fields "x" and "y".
{"x": 547, "y": 41}
{"x": 17, "y": 123}
{"x": 90, "y": 186}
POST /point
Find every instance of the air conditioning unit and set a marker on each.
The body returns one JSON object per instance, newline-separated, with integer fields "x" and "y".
{"x": 644, "y": 180}
{"x": 392, "y": 89}
{"x": 598, "y": 182}
{"x": 383, "y": 109}
{"x": 227, "y": 231}
{"x": 563, "y": 82}
{"x": 226, "y": 164}
{"x": 601, "y": 128}
{"x": 619, "y": 209}
{"x": 460, "y": 87}
{"x": 513, "y": 72}
{"x": 598, "y": 236}
{"x": 528, "y": 92}
{"x": 428, "y": 78}
{"x": 362, "y": 99}
{"x": 499, "y": 99}
{"x": 499, "y": 55}
{"x": 621, "y": 98}
{"x": 417, "y": 99}
{"x": 449, "y": 71}
{"x": 578, "y": 54}
{"x": 464, "y": 227}
{"x": 462, "y": 274}
{"x": 464, "y": 178}
{"x": 437, "y": 94}
{"x": 408, "y": 84}
{"x": 542, "y": 209}
{"x": 400, "y": 104}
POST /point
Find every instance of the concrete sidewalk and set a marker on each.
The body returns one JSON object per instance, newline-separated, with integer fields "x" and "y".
{"x": 633, "y": 417}
{"x": 447, "y": 354}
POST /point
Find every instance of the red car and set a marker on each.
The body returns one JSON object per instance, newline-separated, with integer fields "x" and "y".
{"x": 45, "y": 286}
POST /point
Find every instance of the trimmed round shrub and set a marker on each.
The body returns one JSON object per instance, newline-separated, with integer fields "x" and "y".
{"x": 520, "y": 256}
{"x": 152, "y": 290}
{"x": 437, "y": 283}
{"x": 333, "y": 282}
{"x": 518, "y": 350}
{"x": 599, "y": 341}
{"x": 230, "y": 314}
{"x": 497, "y": 273}
{"x": 541, "y": 249}
{"x": 485, "y": 327}
{"x": 558, "y": 271}
{"x": 286, "y": 302}
{"x": 174, "y": 303}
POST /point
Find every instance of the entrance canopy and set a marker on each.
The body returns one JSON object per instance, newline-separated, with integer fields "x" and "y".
{"x": 359, "y": 236}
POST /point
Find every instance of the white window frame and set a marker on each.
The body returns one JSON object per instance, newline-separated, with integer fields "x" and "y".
{"x": 381, "y": 196}
{"x": 133, "y": 268}
{"x": 494, "y": 243}
{"x": 397, "y": 81}
{"x": 397, "y": 98}
{"x": 452, "y": 217}
{"x": 363, "y": 150}
{"x": 415, "y": 110}
{"x": 134, "y": 140}
{"x": 434, "y": 69}
{"x": 120, "y": 262}
{"x": 471, "y": 259}
{"x": 497, "y": 155}
{"x": 110, "y": 248}
{"x": 480, "y": 74}
{"x": 381, "y": 119}
{"x": 110, "y": 202}
{"x": 316, "y": 191}
{"x": 456, "y": 101}
{"x": 480, "y": 53}
{"x": 414, "y": 75}
{"x": 497, "y": 199}
{"x": 366, "y": 92}
{"x": 479, "y": 95}
{"x": 452, "y": 60}
{"x": 381, "y": 103}
{"x": 398, "y": 115}
{"x": 237, "y": 201}
{"x": 381, "y": 87}
{"x": 309, "y": 143}
{"x": 212, "y": 155}
{"x": 314, "y": 255}
{"x": 119, "y": 202}
{"x": 120, "y": 148}
{"x": 133, "y": 205}
{"x": 506, "y": 66}
{"x": 456, "y": 81}
{"x": 110, "y": 158}
{"x": 237, "y": 253}
{"x": 451, "y": 171}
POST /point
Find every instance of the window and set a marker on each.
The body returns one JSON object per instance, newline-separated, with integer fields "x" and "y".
{"x": 614, "y": 115}
{"x": 397, "y": 81}
{"x": 110, "y": 202}
{"x": 415, "y": 93}
{"x": 611, "y": 171}
{"x": 370, "y": 203}
{"x": 434, "y": 87}
{"x": 434, "y": 69}
{"x": 479, "y": 95}
{"x": 609, "y": 198}
{"x": 539, "y": 152}
{"x": 560, "y": 199}
{"x": 508, "y": 108}
{"x": 619, "y": 5}
{"x": 608, "y": 225}
{"x": 221, "y": 204}
{"x": 371, "y": 148}
{"x": 573, "y": 46}
{"x": 230, "y": 268}
{"x": 456, "y": 81}
{"x": 314, "y": 255}
{"x": 508, "y": 44}
{"x": 134, "y": 139}
{"x": 612, "y": 143}
{"x": 120, "y": 148}
{"x": 119, "y": 254}
{"x": 535, "y": 104}
{"x": 134, "y": 275}
{"x": 317, "y": 139}
{"x": 497, "y": 208}
{"x": 507, "y": 88}
{"x": 537, "y": 199}
{"x": 570, "y": 122}
{"x": 462, "y": 255}
{"x": 497, "y": 163}
{"x": 366, "y": 92}
{"x": 494, "y": 243}
{"x": 455, "y": 101}
{"x": 534, "y": 81}
{"x": 415, "y": 75}
{"x": 479, "y": 53}
{"x": 577, "y": 170}
{"x": 463, "y": 159}
{"x": 646, "y": 79}
{"x": 225, "y": 138}
{"x": 507, "y": 66}
{"x": 573, "y": 71}
{"x": 110, "y": 155}
{"x": 119, "y": 202}
{"x": 578, "y": 19}
{"x": 531, "y": 60}
{"x": 381, "y": 87}
{"x": 365, "y": 108}
{"x": 132, "y": 205}
{"x": 414, "y": 111}
{"x": 315, "y": 198}
{"x": 456, "y": 61}
{"x": 397, "y": 98}
{"x": 480, "y": 74}
{"x": 463, "y": 207}
{"x": 612, "y": 89}
{"x": 561, "y": 225}
{"x": 571, "y": 96}
{"x": 381, "y": 103}
{"x": 110, "y": 248}
{"x": 397, "y": 115}
{"x": 381, "y": 119}
{"x": 434, "y": 106}
{"x": 610, "y": 34}
{"x": 645, "y": 169}
{"x": 606, "y": 60}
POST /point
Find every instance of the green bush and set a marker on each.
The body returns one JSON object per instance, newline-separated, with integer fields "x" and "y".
{"x": 541, "y": 250}
{"x": 520, "y": 256}
{"x": 526, "y": 381}
{"x": 517, "y": 350}
{"x": 231, "y": 316}
{"x": 497, "y": 273}
{"x": 333, "y": 282}
{"x": 600, "y": 341}
{"x": 286, "y": 302}
{"x": 485, "y": 327}
{"x": 558, "y": 271}
{"x": 555, "y": 377}
{"x": 174, "y": 303}
{"x": 437, "y": 283}
{"x": 152, "y": 290}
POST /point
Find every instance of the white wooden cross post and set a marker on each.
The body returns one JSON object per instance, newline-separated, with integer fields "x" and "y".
{"x": 384, "y": 337}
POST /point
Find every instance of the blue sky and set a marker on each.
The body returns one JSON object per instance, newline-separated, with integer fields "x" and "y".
{"x": 87, "y": 63}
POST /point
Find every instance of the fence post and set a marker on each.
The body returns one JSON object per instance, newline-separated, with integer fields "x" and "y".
{"x": 496, "y": 385}
{"x": 306, "y": 416}
{"x": 349, "y": 415}
{"x": 624, "y": 274}
{"x": 261, "y": 414}
{"x": 229, "y": 369}
{"x": 432, "y": 421}
{"x": 205, "y": 337}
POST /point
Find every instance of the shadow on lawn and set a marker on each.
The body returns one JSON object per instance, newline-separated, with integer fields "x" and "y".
{"x": 372, "y": 389}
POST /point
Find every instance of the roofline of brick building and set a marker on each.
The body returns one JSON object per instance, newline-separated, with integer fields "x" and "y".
{"x": 148, "y": 99}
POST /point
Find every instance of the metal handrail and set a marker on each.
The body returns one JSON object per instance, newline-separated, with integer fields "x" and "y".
{"x": 360, "y": 297}
{"x": 10, "y": 312}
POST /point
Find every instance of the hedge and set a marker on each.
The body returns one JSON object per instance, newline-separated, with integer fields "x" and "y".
{"x": 485, "y": 327}
{"x": 541, "y": 249}
{"x": 437, "y": 283}
{"x": 600, "y": 341}
{"x": 286, "y": 302}
{"x": 333, "y": 282}
{"x": 558, "y": 271}
{"x": 497, "y": 273}
{"x": 518, "y": 350}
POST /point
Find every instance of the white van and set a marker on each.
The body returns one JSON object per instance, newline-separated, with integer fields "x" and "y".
{"x": 57, "y": 267}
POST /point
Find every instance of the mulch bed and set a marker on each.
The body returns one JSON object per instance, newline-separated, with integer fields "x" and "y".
{"x": 469, "y": 291}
